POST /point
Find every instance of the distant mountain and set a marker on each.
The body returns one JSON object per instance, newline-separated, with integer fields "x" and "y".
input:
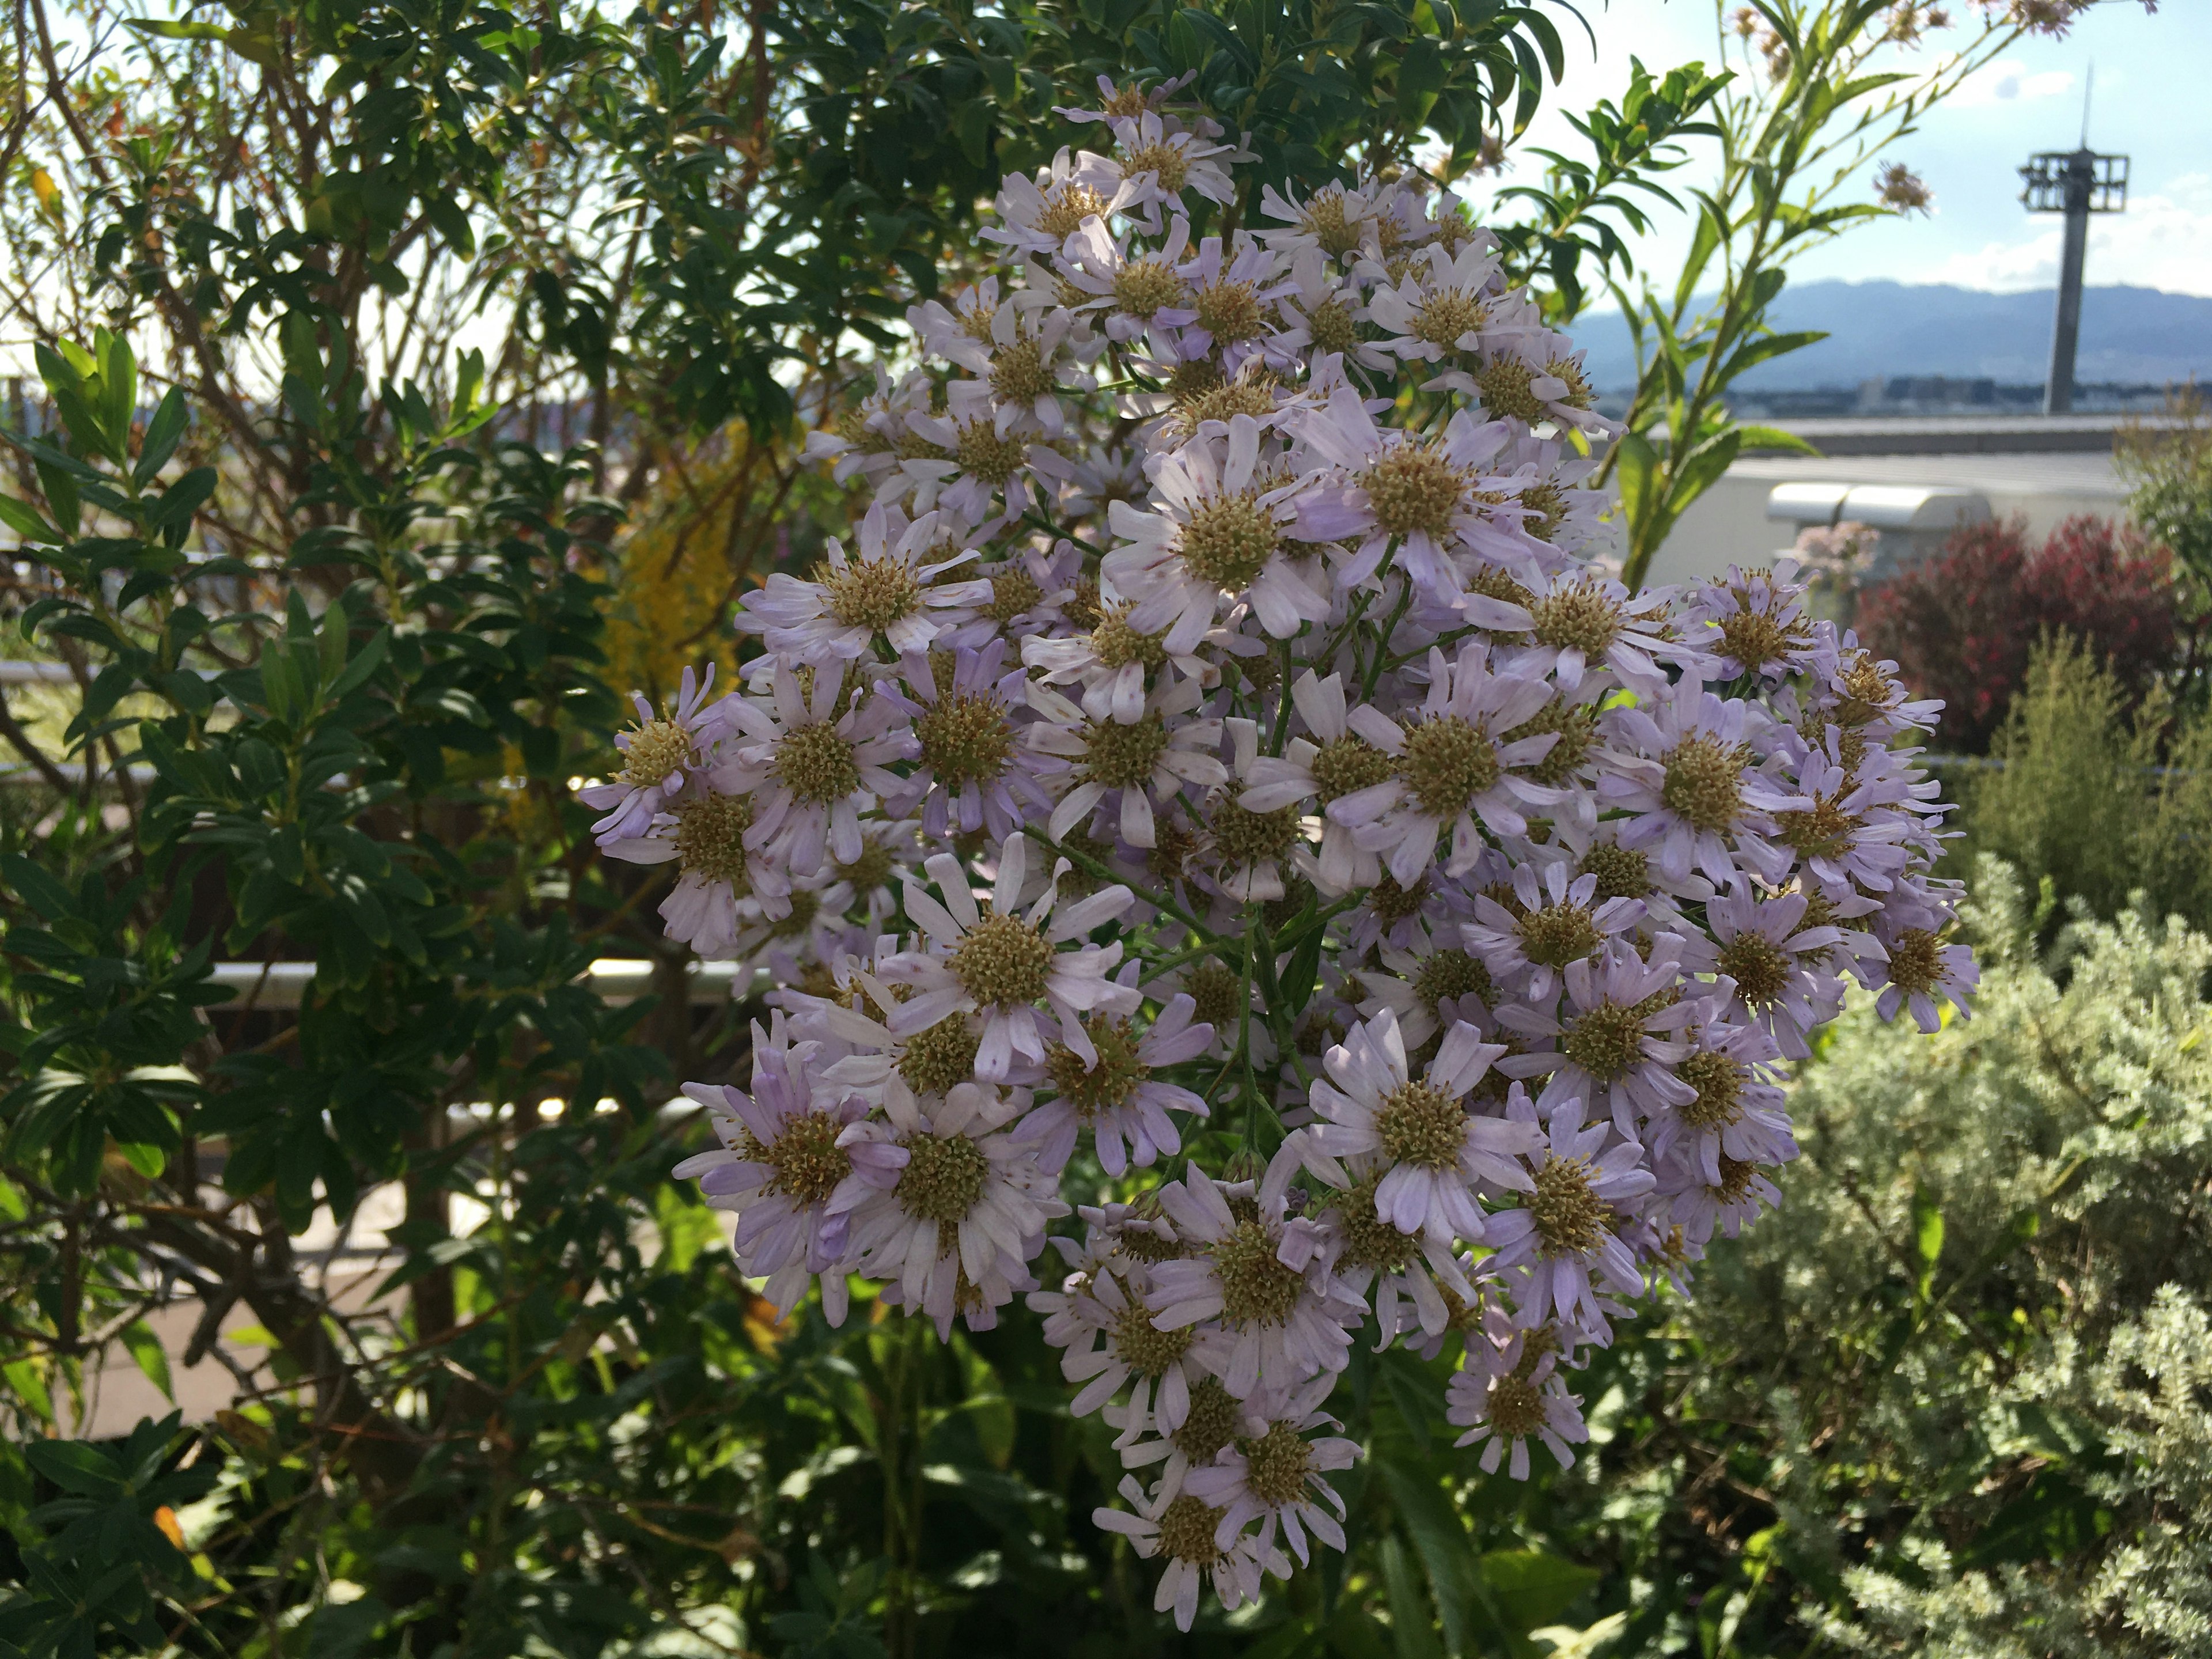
{"x": 1878, "y": 328}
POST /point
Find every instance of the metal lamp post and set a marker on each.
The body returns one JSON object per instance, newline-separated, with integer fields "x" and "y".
{"x": 2077, "y": 183}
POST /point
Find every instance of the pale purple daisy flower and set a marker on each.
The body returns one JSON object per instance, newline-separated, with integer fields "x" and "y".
{"x": 1921, "y": 968}
{"x": 1114, "y": 1092}
{"x": 1113, "y": 662}
{"x": 1136, "y": 763}
{"x": 972, "y": 771}
{"x": 869, "y": 441}
{"x": 1558, "y": 1244}
{"x": 1415, "y": 495}
{"x": 1323, "y": 317}
{"x": 719, "y": 879}
{"x": 1157, "y": 160}
{"x": 969, "y": 466}
{"x": 1437, "y": 1154}
{"x": 1038, "y": 215}
{"x": 1276, "y": 1472}
{"x": 1419, "y": 986}
{"x": 1326, "y": 763}
{"x": 1444, "y": 308}
{"x": 1232, "y": 285}
{"x": 809, "y": 769}
{"x": 1451, "y": 768}
{"x": 1116, "y": 102}
{"x": 999, "y": 963}
{"x": 1505, "y": 1395}
{"x": 1529, "y": 375}
{"x": 1178, "y": 1528}
{"x": 1328, "y": 223}
{"x": 955, "y": 1231}
{"x": 1684, "y": 765}
{"x": 1132, "y": 287}
{"x": 1773, "y": 965}
{"x": 784, "y": 1168}
{"x": 1740, "y": 1113}
{"x": 1759, "y": 626}
{"x": 1416, "y": 1283}
{"x": 1223, "y": 529}
{"x": 1863, "y": 823}
{"x": 1584, "y": 624}
{"x": 1617, "y": 1039}
{"x": 1702, "y": 1207}
{"x": 1098, "y": 1317}
{"x": 1031, "y": 366}
{"x": 659, "y": 755}
{"x": 893, "y": 590}
{"x": 1557, "y": 919}
{"x": 1262, "y": 1280}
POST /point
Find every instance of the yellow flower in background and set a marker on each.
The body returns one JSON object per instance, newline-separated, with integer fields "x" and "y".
{"x": 678, "y": 567}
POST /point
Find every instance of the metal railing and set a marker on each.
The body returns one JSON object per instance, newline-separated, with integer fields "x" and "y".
{"x": 283, "y": 985}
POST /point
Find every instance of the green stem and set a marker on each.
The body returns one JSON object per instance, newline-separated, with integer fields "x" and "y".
{"x": 1091, "y": 866}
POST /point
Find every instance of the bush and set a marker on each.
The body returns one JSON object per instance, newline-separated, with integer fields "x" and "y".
{"x": 1961, "y": 624}
{"x": 2101, "y": 801}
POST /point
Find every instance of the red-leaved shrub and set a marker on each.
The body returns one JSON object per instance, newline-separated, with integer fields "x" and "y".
{"x": 1961, "y": 623}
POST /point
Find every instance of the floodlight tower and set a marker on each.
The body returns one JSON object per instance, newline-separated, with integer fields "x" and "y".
{"x": 2076, "y": 183}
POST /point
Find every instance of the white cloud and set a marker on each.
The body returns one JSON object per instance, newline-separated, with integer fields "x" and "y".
{"x": 2163, "y": 241}
{"x": 2008, "y": 84}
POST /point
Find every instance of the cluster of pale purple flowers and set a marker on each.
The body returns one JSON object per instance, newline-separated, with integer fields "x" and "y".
{"x": 1224, "y": 753}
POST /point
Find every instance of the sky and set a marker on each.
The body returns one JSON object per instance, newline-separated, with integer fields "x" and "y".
{"x": 2149, "y": 104}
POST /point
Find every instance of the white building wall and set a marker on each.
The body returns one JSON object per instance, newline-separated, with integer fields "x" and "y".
{"x": 1728, "y": 525}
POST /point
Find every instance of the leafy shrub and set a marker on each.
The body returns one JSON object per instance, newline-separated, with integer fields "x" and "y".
{"x": 2101, "y": 802}
{"x": 1961, "y": 624}
{"x": 2168, "y": 469}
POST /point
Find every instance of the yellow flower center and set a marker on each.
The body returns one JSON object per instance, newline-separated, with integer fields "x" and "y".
{"x": 1003, "y": 962}
{"x": 815, "y": 763}
{"x": 656, "y": 748}
{"x": 1570, "y": 1217}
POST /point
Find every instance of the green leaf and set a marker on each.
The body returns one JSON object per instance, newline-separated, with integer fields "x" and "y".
{"x": 37, "y": 889}
{"x": 1532, "y": 1587}
{"x": 119, "y": 376}
{"x": 24, "y": 1382}
{"x": 1752, "y": 438}
{"x": 27, "y": 521}
{"x": 62, "y": 499}
{"x": 452, "y": 223}
{"x": 1440, "y": 1536}
{"x": 170, "y": 29}
{"x": 1927, "y": 1240}
{"x": 74, "y": 1466}
{"x": 163, "y": 433}
{"x": 1699, "y": 471}
{"x": 1637, "y": 468}
{"x": 1412, "y": 1635}
{"x": 152, "y": 1359}
{"x": 1753, "y": 353}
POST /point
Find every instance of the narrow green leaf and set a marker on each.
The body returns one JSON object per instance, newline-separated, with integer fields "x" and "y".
{"x": 163, "y": 433}
{"x": 23, "y": 1380}
{"x": 1412, "y": 1635}
{"x": 35, "y": 887}
{"x": 1927, "y": 1239}
{"x": 1753, "y": 437}
{"x": 152, "y": 1359}
{"x": 27, "y": 521}
{"x": 74, "y": 1466}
